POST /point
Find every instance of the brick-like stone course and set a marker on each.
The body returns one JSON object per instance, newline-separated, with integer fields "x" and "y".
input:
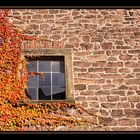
{"x": 106, "y": 57}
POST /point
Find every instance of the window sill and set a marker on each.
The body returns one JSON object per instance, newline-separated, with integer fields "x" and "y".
{"x": 48, "y": 101}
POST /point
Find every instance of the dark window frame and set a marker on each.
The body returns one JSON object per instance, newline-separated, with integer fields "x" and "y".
{"x": 67, "y": 54}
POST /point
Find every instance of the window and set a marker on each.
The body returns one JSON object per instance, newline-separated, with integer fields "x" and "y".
{"x": 56, "y": 66}
{"x": 1, "y": 41}
{"x": 52, "y": 85}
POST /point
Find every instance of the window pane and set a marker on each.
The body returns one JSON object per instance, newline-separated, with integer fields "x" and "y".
{"x": 52, "y": 85}
{"x": 33, "y": 93}
{"x": 33, "y": 81}
{"x": 58, "y": 93}
{"x": 44, "y": 66}
{"x": 57, "y": 66}
{"x": 58, "y": 79}
{"x": 45, "y": 93}
{"x": 32, "y": 66}
{"x": 46, "y": 81}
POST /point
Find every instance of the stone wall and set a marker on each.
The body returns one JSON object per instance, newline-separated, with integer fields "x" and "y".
{"x": 106, "y": 57}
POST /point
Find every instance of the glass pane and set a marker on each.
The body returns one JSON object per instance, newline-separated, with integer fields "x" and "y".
{"x": 46, "y": 81}
{"x": 45, "y": 93}
{"x": 32, "y": 66}
{"x": 44, "y": 66}
{"x": 33, "y": 94}
{"x": 33, "y": 81}
{"x": 58, "y": 93}
{"x": 58, "y": 79}
{"x": 58, "y": 66}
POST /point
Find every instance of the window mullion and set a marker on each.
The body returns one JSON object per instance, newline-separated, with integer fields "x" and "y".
{"x": 37, "y": 81}
{"x": 51, "y": 80}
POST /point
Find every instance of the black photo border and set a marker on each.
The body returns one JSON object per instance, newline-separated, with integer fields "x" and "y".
{"x": 69, "y": 4}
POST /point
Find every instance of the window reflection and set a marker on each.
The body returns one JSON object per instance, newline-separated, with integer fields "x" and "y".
{"x": 45, "y": 93}
{"x": 33, "y": 81}
{"x": 44, "y": 66}
{"x": 57, "y": 66}
{"x": 58, "y": 93}
{"x": 58, "y": 79}
{"x": 52, "y": 85}
{"x": 46, "y": 81}
{"x": 32, "y": 66}
{"x": 33, "y": 94}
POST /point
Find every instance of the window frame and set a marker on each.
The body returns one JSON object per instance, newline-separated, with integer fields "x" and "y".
{"x": 67, "y": 54}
